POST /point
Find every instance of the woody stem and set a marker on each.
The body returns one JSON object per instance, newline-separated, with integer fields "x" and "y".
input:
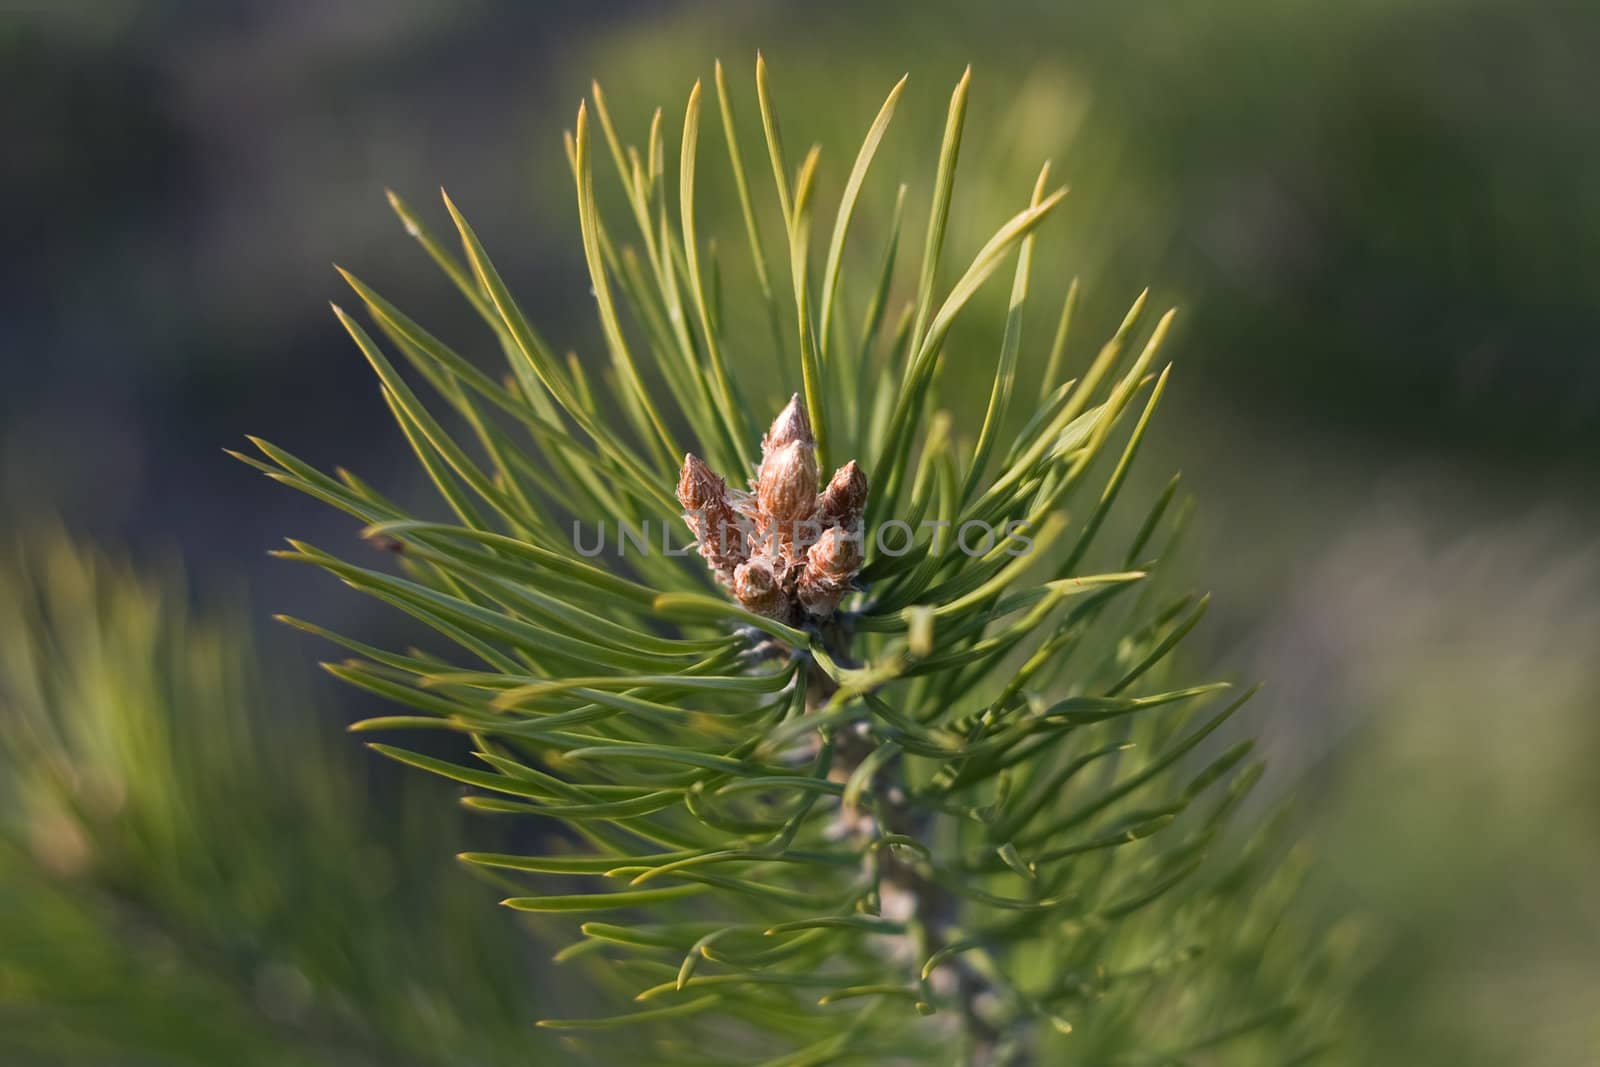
{"x": 932, "y": 906}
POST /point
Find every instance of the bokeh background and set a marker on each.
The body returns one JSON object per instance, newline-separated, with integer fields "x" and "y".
{"x": 1381, "y": 220}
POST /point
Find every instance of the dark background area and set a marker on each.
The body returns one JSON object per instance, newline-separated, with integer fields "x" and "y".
{"x": 1382, "y": 221}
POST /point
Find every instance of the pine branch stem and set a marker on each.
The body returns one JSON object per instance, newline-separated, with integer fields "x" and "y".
{"x": 933, "y": 907}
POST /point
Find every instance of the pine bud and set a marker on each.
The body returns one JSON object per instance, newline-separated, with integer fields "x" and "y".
{"x": 845, "y": 497}
{"x": 786, "y": 490}
{"x": 711, "y": 516}
{"x": 831, "y": 564}
{"x": 698, "y": 484}
{"x": 836, "y": 555}
{"x": 758, "y": 583}
{"x": 782, "y": 546}
{"x": 792, "y": 424}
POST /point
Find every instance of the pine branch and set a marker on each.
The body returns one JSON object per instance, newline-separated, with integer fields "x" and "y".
{"x": 901, "y": 738}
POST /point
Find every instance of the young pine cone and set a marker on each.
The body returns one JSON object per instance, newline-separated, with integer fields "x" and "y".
{"x": 783, "y": 547}
{"x": 786, "y": 492}
{"x": 786, "y": 483}
{"x": 831, "y": 564}
{"x": 792, "y": 424}
{"x": 759, "y": 585}
{"x": 711, "y": 515}
{"x": 845, "y": 497}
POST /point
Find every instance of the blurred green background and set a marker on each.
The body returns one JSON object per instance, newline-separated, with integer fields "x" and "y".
{"x": 1381, "y": 220}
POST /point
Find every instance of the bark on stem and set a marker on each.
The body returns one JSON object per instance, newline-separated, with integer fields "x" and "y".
{"x": 933, "y": 906}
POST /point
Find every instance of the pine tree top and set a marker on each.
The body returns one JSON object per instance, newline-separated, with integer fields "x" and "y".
{"x": 936, "y": 786}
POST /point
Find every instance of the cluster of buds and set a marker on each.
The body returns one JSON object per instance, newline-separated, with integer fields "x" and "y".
{"x": 783, "y": 549}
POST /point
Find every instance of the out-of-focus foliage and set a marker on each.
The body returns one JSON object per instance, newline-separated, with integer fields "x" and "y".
{"x": 1379, "y": 212}
{"x": 191, "y": 874}
{"x": 1459, "y": 810}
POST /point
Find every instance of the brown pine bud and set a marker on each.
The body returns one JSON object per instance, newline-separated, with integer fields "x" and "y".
{"x": 792, "y": 424}
{"x": 787, "y": 487}
{"x": 783, "y": 546}
{"x": 711, "y": 516}
{"x": 698, "y": 484}
{"x": 836, "y": 555}
{"x": 845, "y": 497}
{"x": 820, "y": 599}
{"x": 758, "y": 583}
{"x": 786, "y": 480}
{"x": 831, "y": 564}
